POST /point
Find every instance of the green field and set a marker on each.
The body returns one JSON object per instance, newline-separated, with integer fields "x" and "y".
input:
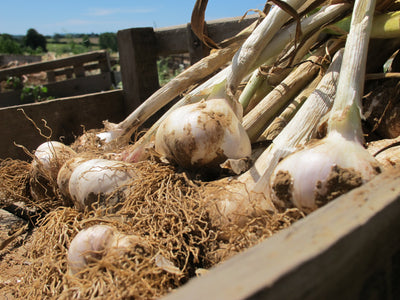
{"x": 74, "y": 48}
{"x": 72, "y": 45}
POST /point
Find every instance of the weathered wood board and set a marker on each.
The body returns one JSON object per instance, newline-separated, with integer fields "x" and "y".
{"x": 76, "y": 60}
{"x": 65, "y": 88}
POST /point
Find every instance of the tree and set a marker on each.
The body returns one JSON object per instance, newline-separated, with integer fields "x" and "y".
{"x": 108, "y": 40}
{"x": 34, "y": 40}
{"x": 85, "y": 40}
{"x": 57, "y": 37}
{"x": 9, "y": 45}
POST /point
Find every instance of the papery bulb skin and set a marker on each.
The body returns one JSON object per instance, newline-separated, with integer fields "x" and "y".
{"x": 65, "y": 172}
{"x": 322, "y": 171}
{"x": 202, "y": 134}
{"x": 95, "y": 242}
{"x": 47, "y": 161}
{"x": 88, "y": 245}
{"x": 50, "y": 156}
{"x": 96, "y": 180}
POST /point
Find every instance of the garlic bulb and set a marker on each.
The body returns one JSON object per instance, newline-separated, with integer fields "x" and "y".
{"x": 95, "y": 180}
{"x": 50, "y": 156}
{"x": 47, "y": 160}
{"x": 321, "y": 171}
{"x": 93, "y": 243}
{"x": 65, "y": 172}
{"x": 325, "y": 169}
{"x": 202, "y": 134}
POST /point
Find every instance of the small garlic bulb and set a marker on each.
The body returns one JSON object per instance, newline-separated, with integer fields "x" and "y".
{"x": 65, "y": 172}
{"x": 93, "y": 243}
{"x": 89, "y": 245}
{"x": 47, "y": 161}
{"x": 96, "y": 180}
{"x": 202, "y": 134}
{"x": 50, "y": 156}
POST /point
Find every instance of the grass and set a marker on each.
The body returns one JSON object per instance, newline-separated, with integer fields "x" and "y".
{"x": 74, "y": 48}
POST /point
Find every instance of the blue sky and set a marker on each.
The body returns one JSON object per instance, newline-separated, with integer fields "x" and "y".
{"x": 87, "y": 16}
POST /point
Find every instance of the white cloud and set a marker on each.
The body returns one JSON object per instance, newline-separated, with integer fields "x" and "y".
{"x": 112, "y": 11}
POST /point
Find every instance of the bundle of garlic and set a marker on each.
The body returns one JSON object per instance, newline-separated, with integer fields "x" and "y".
{"x": 213, "y": 132}
{"x": 158, "y": 207}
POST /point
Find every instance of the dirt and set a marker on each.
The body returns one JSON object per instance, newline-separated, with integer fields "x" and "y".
{"x": 13, "y": 252}
{"x": 283, "y": 187}
{"x": 339, "y": 182}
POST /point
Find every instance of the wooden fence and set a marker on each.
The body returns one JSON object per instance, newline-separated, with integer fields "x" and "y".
{"x": 75, "y": 73}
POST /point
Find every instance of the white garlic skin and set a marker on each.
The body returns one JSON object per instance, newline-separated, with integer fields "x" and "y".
{"x": 202, "y": 134}
{"x": 64, "y": 174}
{"x": 89, "y": 244}
{"x": 93, "y": 243}
{"x": 96, "y": 178}
{"x": 310, "y": 168}
{"x": 50, "y": 156}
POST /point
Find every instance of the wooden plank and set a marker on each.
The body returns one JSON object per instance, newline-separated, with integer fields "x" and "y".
{"x": 7, "y": 58}
{"x": 79, "y": 70}
{"x": 51, "y": 76}
{"x": 222, "y": 29}
{"x": 69, "y": 70}
{"x": 137, "y": 55}
{"x": 349, "y": 249}
{"x": 52, "y": 64}
{"x": 173, "y": 40}
{"x": 66, "y": 88}
{"x": 65, "y": 116}
{"x": 80, "y": 86}
{"x": 10, "y": 98}
{"x": 197, "y": 49}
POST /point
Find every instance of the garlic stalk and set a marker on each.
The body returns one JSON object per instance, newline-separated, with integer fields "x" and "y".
{"x": 263, "y": 113}
{"x": 384, "y": 26}
{"x": 283, "y": 119}
{"x": 245, "y": 57}
{"x": 338, "y": 163}
{"x": 260, "y": 84}
{"x": 92, "y": 243}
